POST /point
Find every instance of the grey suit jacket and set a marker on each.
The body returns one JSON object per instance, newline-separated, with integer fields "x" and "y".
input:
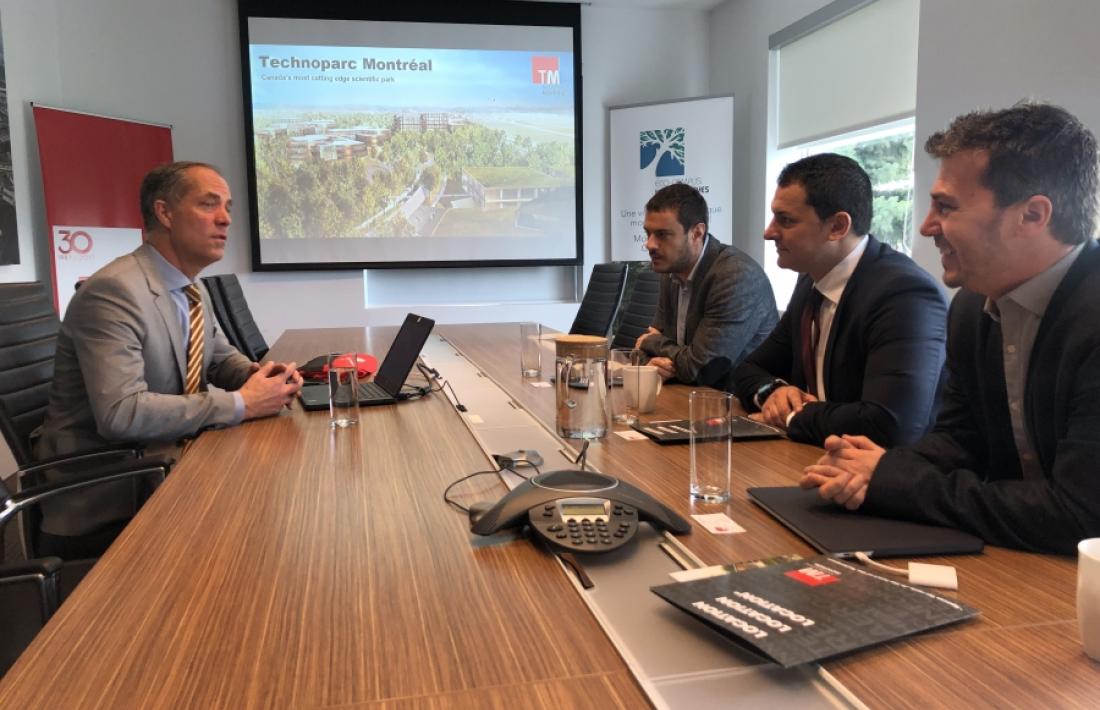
{"x": 732, "y": 310}
{"x": 118, "y": 377}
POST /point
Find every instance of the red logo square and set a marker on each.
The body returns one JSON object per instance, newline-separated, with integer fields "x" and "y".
{"x": 544, "y": 70}
{"x": 811, "y": 576}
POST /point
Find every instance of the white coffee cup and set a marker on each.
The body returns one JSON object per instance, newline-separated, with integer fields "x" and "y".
{"x": 1088, "y": 595}
{"x": 642, "y": 384}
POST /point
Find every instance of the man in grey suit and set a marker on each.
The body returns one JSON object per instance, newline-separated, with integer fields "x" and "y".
{"x": 127, "y": 368}
{"x": 715, "y": 305}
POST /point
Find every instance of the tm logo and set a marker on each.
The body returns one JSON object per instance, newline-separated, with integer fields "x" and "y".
{"x": 665, "y": 148}
{"x": 544, "y": 70}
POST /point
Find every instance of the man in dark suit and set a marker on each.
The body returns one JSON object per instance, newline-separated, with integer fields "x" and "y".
{"x": 1013, "y": 455}
{"x": 140, "y": 358}
{"x": 715, "y": 304}
{"x": 861, "y": 345}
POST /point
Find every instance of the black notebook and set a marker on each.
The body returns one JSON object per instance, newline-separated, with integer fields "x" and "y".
{"x": 806, "y": 610}
{"x": 836, "y": 530}
{"x": 678, "y": 431}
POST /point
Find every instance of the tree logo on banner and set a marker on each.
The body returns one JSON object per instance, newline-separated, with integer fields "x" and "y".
{"x": 663, "y": 149}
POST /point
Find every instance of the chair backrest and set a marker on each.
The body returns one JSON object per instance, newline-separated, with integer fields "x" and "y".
{"x": 601, "y": 300}
{"x": 252, "y": 340}
{"x": 28, "y": 341}
{"x": 221, "y": 312}
{"x": 637, "y": 312}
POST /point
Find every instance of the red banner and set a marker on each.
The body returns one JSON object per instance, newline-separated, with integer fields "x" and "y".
{"x": 92, "y": 168}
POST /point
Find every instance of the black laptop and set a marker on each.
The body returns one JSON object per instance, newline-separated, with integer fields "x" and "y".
{"x": 395, "y": 369}
{"x": 835, "y": 530}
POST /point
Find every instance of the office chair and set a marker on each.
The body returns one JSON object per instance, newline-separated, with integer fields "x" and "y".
{"x": 636, "y": 314}
{"x": 221, "y": 312}
{"x": 601, "y": 300}
{"x": 31, "y": 591}
{"x": 28, "y": 342}
{"x": 253, "y": 345}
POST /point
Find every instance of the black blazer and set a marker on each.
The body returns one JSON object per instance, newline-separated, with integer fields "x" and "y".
{"x": 966, "y": 473}
{"x": 883, "y": 361}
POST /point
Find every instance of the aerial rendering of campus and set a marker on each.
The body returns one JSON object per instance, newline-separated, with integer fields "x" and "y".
{"x": 383, "y": 142}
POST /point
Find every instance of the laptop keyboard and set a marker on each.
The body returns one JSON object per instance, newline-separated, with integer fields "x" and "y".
{"x": 372, "y": 390}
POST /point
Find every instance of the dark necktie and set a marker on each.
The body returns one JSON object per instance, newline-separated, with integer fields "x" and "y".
{"x": 808, "y": 335}
{"x": 193, "y": 380}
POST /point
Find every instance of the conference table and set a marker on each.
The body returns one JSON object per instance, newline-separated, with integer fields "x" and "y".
{"x": 284, "y": 564}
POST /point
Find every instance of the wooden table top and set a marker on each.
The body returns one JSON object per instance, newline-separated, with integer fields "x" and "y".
{"x": 286, "y": 565}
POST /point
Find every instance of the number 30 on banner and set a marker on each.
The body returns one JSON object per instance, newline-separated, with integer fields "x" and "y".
{"x": 78, "y": 241}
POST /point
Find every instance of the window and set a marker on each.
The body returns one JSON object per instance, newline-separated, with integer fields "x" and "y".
{"x": 886, "y": 153}
{"x": 843, "y": 80}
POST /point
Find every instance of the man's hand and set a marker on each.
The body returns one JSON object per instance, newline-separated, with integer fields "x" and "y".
{"x": 665, "y": 367}
{"x": 649, "y": 331}
{"x": 781, "y": 403}
{"x": 842, "y": 474}
{"x": 271, "y": 387}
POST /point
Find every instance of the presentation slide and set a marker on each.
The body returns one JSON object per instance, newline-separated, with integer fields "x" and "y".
{"x": 405, "y": 143}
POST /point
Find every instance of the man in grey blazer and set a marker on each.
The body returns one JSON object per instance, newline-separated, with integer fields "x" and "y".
{"x": 122, "y": 353}
{"x": 715, "y": 305}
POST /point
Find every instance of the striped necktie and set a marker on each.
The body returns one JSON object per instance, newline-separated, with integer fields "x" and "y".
{"x": 195, "y": 340}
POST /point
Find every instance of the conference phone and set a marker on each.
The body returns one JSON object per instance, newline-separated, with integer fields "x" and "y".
{"x": 577, "y": 511}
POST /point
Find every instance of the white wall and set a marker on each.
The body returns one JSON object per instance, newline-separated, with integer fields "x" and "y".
{"x": 991, "y": 54}
{"x": 739, "y": 31}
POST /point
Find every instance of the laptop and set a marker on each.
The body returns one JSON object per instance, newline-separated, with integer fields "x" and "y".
{"x": 678, "y": 431}
{"x": 395, "y": 369}
{"x": 837, "y": 531}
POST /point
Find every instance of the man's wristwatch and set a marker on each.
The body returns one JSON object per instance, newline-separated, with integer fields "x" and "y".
{"x": 765, "y": 391}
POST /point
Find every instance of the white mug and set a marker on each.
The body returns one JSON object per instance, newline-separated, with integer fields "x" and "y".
{"x": 1088, "y": 595}
{"x": 642, "y": 384}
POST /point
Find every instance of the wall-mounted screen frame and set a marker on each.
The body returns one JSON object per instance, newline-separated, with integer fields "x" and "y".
{"x": 432, "y": 135}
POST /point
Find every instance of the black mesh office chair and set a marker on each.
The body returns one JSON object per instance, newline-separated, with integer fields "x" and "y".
{"x": 221, "y": 312}
{"x": 638, "y": 310}
{"x": 32, "y": 590}
{"x": 252, "y": 343}
{"x": 601, "y": 300}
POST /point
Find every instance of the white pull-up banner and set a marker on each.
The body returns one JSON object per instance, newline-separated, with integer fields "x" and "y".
{"x": 653, "y": 145}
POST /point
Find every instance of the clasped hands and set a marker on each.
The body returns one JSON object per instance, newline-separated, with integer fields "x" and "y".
{"x": 269, "y": 388}
{"x": 665, "y": 367}
{"x": 843, "y": 472}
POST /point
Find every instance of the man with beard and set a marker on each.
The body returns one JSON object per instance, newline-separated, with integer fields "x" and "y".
{"x": 715, "y": 305}
{"x": 1013, "y": 454}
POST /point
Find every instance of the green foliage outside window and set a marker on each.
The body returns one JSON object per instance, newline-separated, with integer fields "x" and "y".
{"x": 889, "y": 163}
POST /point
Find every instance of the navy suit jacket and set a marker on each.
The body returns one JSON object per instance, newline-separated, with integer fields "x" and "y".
{"x": 966, "y": 473}
{"x": 883, "y": 361}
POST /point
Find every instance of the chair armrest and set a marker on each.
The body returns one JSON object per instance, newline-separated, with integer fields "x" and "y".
{"x": 89, "y": 457}
{"x": 13, "y": 504}
{"x": 40, "y": 566}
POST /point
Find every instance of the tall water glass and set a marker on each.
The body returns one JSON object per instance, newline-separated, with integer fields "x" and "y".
{"x": 711, "y": 413}
{"x": 343, "y": 396}
{"x": 530, "y": 349}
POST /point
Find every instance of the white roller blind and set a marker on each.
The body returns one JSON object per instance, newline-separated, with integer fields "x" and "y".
{"x": 858, "y": 71}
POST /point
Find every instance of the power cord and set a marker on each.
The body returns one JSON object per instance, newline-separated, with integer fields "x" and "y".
{"x": 458, "y": 506}
{"x": 433, "y": 374}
